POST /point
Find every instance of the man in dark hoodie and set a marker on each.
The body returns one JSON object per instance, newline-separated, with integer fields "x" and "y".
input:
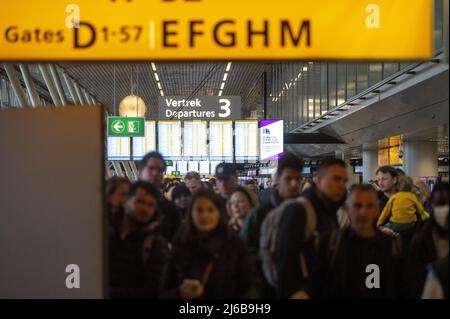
{"x": 288, "y": 186}
{"x": 289, "y": 174}
{"x": 325, "y": 197}
{"x": 151, "y": 170}
{"x": 137, "y": 254}
{"x": 351, "y": 262}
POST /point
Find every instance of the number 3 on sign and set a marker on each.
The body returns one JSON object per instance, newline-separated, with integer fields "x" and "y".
{"x": 225, "y": 106}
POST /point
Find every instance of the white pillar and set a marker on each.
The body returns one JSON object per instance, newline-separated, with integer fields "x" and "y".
{"x": 421, "y": 159}
{"x": 370, "y": 164}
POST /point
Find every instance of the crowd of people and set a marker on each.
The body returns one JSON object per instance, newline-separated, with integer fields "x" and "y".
{"x": 296, "y": 238}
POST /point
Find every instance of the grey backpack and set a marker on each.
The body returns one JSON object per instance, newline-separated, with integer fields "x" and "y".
{"x": 268, "y": 239}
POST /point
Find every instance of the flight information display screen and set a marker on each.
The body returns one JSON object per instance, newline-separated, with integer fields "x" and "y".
{"x": 143, "y": 145}
{"x": 169, "y": 139}
{"x": 118, "y": 149}
{"x": 204, "y": 168}
{"x": 221, "y": 140}
{"x": 246, "y": 139}
{"x": 195, "y": 135}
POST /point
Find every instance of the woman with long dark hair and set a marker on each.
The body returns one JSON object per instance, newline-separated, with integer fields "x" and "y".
{"x": 209, "y": 260}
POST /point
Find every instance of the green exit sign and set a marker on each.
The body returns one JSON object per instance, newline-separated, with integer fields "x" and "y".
{"x": 169, "y": 163}
{"x": 126, "y": 126}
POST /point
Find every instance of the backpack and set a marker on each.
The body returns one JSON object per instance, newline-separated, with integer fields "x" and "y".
{"x": 268, "y": 239}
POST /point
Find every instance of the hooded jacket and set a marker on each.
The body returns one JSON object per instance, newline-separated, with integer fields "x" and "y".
{"x": 137, "y": 261}
{"x": 233, "y": 274}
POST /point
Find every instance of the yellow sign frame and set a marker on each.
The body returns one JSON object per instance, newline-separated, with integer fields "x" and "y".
{"x": 158, "y": 30}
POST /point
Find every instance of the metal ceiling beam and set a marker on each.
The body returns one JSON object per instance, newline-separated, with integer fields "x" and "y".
{"x": 79, "y": 94}
{"x": 15, "y": 83}
{"x": 87, "y": 97}
{"x": 69, "y": 84}
{"x": 50, "y": 85}
{"x": 58, "y": 85}
{"x": 31, "y": 89}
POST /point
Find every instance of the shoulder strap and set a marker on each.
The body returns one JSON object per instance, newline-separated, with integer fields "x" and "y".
{"x": 207, "y": 272}
{"x": 311, "y": 217}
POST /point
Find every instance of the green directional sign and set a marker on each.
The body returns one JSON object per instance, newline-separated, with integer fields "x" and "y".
{"x": 169, "y": 163}
{"x": 126, "y": 126}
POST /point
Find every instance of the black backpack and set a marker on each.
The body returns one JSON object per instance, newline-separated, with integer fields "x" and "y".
{"x": 268, "y": 239}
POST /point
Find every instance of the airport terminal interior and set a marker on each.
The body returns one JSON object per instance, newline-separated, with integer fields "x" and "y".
{"x": 204, "y": 123}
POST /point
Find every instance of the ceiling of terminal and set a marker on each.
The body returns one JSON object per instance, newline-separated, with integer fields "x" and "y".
{"x": 111, "y": 82}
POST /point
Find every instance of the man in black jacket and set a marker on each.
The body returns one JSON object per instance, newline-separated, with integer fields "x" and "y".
{"x": 137, "y": 254}
{"x": 326, "y": 197}
{"x": 227, "y": 180}
{"x": 288, "y": 186}
{"x": 359, "y": 261}
{"x": 151, "y": 170}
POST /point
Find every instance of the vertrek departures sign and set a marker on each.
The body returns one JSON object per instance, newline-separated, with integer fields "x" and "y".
{"x": 200, "y": 108}
{"x": 49, "y": 30}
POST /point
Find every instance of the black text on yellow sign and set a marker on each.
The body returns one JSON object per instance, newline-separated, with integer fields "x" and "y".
{"x": 216, "y": 30}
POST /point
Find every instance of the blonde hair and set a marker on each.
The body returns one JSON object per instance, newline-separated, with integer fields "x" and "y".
{"x": 424, "y": 192}
{"x": 405, "y": 184}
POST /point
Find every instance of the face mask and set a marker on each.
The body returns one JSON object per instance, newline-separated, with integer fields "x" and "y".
{"x": 440, "y": 214}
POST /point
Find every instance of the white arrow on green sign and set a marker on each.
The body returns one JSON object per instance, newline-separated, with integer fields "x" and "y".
{"x": 126, "y": 126}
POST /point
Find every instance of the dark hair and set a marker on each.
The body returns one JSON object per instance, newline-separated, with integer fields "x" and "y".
{"x": 327, "y": 162}
{"x": 388, "y": 170}
{"x": 400, "y": 172}
{"x": 439, "y": 187}
{"x": 148, "y": 156}
{"x": 363, "y": 188}
{"x": 180, "y": 190}
{"x": 147, "y": 187}
{"x": 290, "y": 161}
{"x": 192, "y": 175}
{"x": 113, "y": 183}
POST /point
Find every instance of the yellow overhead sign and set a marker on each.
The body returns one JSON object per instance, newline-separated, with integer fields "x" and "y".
{"x": 215, "y": 30}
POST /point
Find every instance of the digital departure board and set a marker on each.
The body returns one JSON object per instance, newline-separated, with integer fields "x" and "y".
{"x": 195, "y": 140}
{"x": 143, "y": 145}
{"x": 221, "y": 140}
{"x": 246, "y": 141}
{"x": 169, "y": 139}
{"x": 213, "y": 166}
{"x": 182, "y": 167}
{"x": 193, "y": 166}
{"x": 204, "y": 168}
{"x": 118, "y": 149}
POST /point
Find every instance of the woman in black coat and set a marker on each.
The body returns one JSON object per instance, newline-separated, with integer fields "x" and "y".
{"x": 209, "y": 260}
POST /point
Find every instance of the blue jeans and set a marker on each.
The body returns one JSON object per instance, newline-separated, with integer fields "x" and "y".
{"x": 400, "y": 228}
